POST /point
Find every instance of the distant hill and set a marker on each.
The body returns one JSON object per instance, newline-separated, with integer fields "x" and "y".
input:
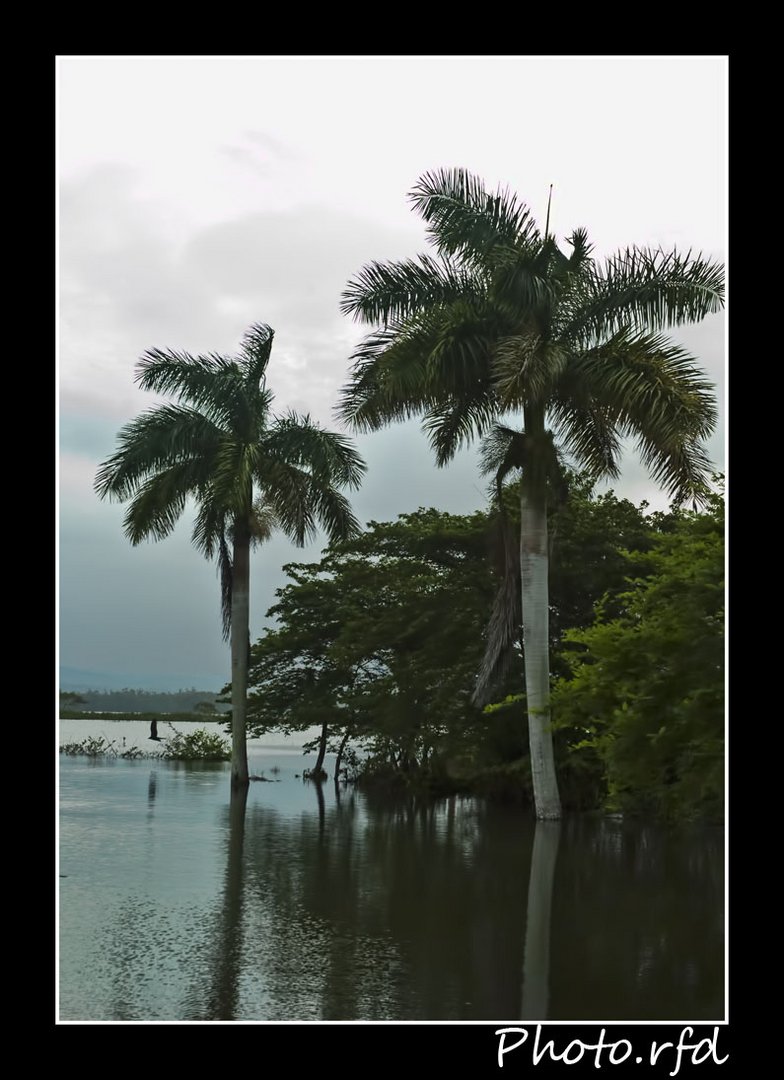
{"x": 80, "y": 679}
{"x": 130, "y": 700}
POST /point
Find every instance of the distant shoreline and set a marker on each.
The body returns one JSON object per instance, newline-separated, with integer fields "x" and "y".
{"x": 124, "y": 715}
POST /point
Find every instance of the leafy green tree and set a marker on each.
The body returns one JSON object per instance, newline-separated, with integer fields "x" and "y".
{"x": 501, "y": 321}
{"x": 646, "y": 687}
{"x": 247, "y": 470}
{"x": 379, "y": 642}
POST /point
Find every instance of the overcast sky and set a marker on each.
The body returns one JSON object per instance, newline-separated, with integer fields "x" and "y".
{"x": 198, "y": 195}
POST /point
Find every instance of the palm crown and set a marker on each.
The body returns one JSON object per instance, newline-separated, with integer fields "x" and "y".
{"x": 221, "y": 445}
{"x": 502, "y": 320}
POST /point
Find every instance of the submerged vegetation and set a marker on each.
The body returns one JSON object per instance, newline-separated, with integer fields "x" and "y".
{"x": 196, "y": 746}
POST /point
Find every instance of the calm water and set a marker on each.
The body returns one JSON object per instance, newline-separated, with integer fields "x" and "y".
{"x": 307, "y": 903}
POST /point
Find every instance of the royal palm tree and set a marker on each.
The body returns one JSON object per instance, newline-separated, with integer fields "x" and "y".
{"x": 500, "y": 321}
{"x": 247, "y": 470}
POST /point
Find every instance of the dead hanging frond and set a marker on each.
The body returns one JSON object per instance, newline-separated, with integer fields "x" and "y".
{"x": 501, "y": 635}
{"x": 263, "y": 522}
{"x": 226, "y": 572}
{"x": 504, "y": 450}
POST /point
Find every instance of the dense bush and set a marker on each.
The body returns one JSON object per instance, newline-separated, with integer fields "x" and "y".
{"x": 199, "y": 745}
{"x": 646, "y": 690}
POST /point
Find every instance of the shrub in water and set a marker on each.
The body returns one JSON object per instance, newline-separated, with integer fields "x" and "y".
{"x": 199, "y": 745}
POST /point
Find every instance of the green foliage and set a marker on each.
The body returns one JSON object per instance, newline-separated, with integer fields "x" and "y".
{"x": 98, "y": 747}
{"x": 383, "y": 637}
{"x": 198, "y": 745}
{"x": 646, "y": 688}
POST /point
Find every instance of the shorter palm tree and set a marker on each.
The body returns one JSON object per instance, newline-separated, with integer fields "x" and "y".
{"x": 247, "y": 470}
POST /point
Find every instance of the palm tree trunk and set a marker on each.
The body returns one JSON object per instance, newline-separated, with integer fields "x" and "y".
{"x": 536, "y": 649}
{"x": 240, "y": 633}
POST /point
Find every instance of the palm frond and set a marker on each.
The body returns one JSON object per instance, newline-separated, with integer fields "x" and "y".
{"x": 329, "y": 456}
{"x": 152, "y": 441}
{"x": 286, "y": 488}
{"x": 438, "y": 365}
{"x": 523, "y": 286}
{"x": 681, "y": 467}
{"x": 582, "y": 249}
{"x": 226, "y": 572}
{"x": 389, "y": 292}
{"x": 457, "y": 422}
{"x": 159, "y": 502}
{"x": 464, "y": 219}
{"x": 648, "y": 382}
{"x": 589, "y": 435}
{"x": 648, "y": 289}
{"x": 333, "y": 511}
{"x": 211, "y": 523}
{"x": 647, "y": 387}
{"x": 502, "y": 633}
{"x": 264, "y": 521}
{"x": 525, "y": 369}
{"x": 387, "y": 379}
{"x": 186, "y": 377}
{"x": 256, "y": 349}
{"x": 501, "y": 450}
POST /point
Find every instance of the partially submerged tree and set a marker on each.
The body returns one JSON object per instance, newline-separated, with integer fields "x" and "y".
{"x": 378, "y": 642}
{"x": 501, "y": 321}
{"x": 247, "y": 470}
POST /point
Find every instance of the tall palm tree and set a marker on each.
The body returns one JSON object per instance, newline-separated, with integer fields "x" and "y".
{"x": 247, "y": 470}
{"x": 501, "y": 321}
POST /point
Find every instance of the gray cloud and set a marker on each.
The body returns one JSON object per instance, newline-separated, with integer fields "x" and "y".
{"x": 134, "y": 276}
{"x": 128, "y": 284}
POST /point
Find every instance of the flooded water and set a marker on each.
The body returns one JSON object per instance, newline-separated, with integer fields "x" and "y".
{"x": 302, "y": 902}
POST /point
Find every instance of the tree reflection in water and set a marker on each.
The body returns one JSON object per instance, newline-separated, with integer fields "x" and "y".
{"x": 362, "y": 906}
{"x": 536, "y": 966}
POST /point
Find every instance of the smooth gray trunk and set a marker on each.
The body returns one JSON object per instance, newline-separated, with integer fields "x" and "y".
{"x": 536, "y": 648}
{"x": 240, "y": 634}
